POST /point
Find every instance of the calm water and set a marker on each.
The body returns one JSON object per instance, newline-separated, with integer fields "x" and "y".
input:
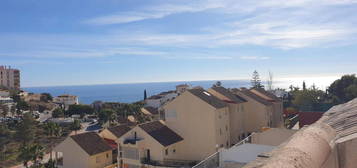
{"x": 125, "y": 93}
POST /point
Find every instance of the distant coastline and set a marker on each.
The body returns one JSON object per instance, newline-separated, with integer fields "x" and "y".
{"x": 125, "y": 93}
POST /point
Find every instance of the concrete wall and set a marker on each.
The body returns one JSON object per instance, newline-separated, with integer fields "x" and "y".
{"x": 201, "y": 125}
{"x": 273, "y": 136}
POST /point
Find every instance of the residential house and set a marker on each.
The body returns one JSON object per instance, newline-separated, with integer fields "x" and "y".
{"x": 86, "y": 150}
{"x": 202, "y": 120}
{"x": 182, "y": 88}
{"x": 149, "y": 144}
{"x": 235, "y": 105}
{"x": 112, "y": 134}
{"x": 158, "y": 100}
{"x": 261, "y": 110}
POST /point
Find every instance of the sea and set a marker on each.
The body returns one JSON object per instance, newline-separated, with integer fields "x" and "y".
{"x": 126, "y": 93}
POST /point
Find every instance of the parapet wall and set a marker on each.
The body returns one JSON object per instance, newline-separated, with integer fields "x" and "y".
{"x": 331, "y": 142}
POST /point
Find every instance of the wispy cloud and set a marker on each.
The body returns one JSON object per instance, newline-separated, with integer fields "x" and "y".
{"x": 253, "y": 58}
{"x": 156, "y": 12}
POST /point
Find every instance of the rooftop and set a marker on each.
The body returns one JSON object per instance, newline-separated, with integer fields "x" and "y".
{"x": 227, "y": 93}
{"x": 152, "y": 110}
{"x": 91, "y": 143}
{"x": 208, "y": 98}
{"x": 119, "y": 130}
{"x": 255, "y": 97}
{"x": 160, "y": 132}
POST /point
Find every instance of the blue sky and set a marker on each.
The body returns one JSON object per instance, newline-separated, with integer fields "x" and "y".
{"x": 79, "y": 42}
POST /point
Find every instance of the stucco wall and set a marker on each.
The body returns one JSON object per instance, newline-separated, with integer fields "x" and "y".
{"x": 256, "y": 115}
{"x": 73, "y": 155}
{"x": 273, "y": 136}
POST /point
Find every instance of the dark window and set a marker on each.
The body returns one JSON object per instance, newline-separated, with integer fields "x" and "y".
{"x": 174, "y": 150}
{"x": 166, "y": 151}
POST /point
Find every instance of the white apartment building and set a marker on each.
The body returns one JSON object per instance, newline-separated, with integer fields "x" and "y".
{"x": 66, "y": 100}
{"x": 9, "y": 78}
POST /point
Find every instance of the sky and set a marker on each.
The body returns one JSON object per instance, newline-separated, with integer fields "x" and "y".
{"x": 85, "y": 42}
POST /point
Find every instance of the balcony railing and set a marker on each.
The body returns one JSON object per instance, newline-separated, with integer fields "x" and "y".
{"x": 132, "y": 140}
{"x": 169, "y": 162}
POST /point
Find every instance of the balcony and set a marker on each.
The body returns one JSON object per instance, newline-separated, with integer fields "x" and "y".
{"x": 132, "y": 140}
{"x": 169, "y": 162}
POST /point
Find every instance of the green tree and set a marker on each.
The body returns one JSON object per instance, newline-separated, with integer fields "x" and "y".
{"x": 79, "y": 109}
{"x": 343, "y": 90}
{"x": 52, "y": 129}
{"x": 31, "y": 152}
{"x": 303, "y": 85}
{"x": 309, "y": 99}
{"x": 57, "y": 113}
{"x": 46, "y": 97}
{"x": 26, "y": 129}
{"x": 4, "y": 109}
{"x": 107, "y": 115}
{"x": 4, "y": 140}
{"x": 25, "y": 155}
{"x": 145, "y": 95}
{"x": 21, "y": 106}
{"x": 255, "y": 81}
{"x": 75, "y": 126}
{"x": 37, "y": 152}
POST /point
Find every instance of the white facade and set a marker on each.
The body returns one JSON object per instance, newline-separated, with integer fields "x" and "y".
{"x": 9, "y": 78}
{"x": 159, "y": 100}
{"x": 66, "y": 100}
{"x": 4, "y": 93}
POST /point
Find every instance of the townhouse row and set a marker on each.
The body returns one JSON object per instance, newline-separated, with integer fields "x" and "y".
{"x": 191, "y": 127}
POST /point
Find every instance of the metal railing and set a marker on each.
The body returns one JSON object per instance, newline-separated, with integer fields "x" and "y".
{"x": 213, "y": 161}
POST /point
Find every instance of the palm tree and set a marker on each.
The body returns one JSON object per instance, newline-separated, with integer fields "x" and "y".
{"x": 25, "y": 155}
{"x": 76, "y": 125}
{"x": 52, "y": 129}
{"x": 37, "y": 153}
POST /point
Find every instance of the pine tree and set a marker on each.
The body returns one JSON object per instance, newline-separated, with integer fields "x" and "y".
{"x": 303, "y": 85}
{"x": 145, "y": 95}
{"x": 256, "y": 82}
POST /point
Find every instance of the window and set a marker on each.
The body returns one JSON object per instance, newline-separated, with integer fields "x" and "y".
{"x": 174, "y": 151}
{"x": 107, "y": 155}
{"x": 226, "y": 127}
{"x": 220, "y": 131}
{"x": 166, "y": 151}
{"x": 227, "y": 145}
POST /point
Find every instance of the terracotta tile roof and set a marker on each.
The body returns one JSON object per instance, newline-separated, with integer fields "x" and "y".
{"x": 161, "y": 133}
{"x": 91, "y": 143}
{"x": 152, "y": 110}
{"x": 268, "y": 94}
{"x": 308, "y": 118}
{"x": 208, "y": 98}
{"x": 119, "y": 130}
{"x": 229, "y": 94}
